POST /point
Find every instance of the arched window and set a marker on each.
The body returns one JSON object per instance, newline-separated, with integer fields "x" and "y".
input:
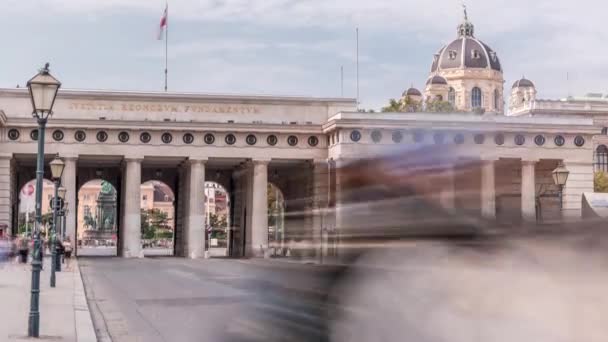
{"x": 452, "y": 96}
{"x": 601, "y": 158}
{"x": 496, "y": 99}
{"x": 476, "y": 98}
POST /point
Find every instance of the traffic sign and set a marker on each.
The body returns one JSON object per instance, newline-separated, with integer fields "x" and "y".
{"x": 60, "y": 200}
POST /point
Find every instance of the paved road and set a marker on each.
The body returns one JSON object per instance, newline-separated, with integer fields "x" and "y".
{"x": 173, "y": 299}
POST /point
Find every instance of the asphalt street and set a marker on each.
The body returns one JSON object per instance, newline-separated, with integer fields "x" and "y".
{"x": 174, "y": 299}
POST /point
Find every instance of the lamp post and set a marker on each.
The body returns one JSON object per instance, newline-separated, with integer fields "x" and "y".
{"x": 560, "y": 176}
{"x": 58, "y": 229}
{"x": 57, "y": 166}
{"x": 43, "y": 90}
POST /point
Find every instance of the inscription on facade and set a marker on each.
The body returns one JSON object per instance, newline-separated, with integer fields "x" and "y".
{"x": 163, "y": 107}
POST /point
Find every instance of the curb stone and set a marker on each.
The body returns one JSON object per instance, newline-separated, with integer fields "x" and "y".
{"x": 85, "y": 332}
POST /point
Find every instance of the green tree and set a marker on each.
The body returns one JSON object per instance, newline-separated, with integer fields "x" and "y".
{"x": 393, "y": 106}
{"x": 147, "y": 230}
{"x": 439, "y": 106}
{"x": 600, "y": 182}
{"x": 406, "y": 104}
{"x": 152, "y": 221}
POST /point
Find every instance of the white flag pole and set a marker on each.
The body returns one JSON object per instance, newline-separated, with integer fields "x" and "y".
{"x": 166, "y": 43}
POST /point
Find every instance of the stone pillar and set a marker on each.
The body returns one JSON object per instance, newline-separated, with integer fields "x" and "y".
{"x": 340, "y": 201}
{"x": 68, "y": 180}
{"x": 131, "y": 226}
{"x": 488, "y": 189}
{"x": 6, "y": 193}
{"x": 580, "y": 180}
{"x": 447, "y": 196}
{"x": 320, "y": 196}
{"x": 259, "y": 209}
{"x": 195, "y": 232}
{"x": 528, "y": 190}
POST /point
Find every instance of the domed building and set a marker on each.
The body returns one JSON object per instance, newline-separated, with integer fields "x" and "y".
{"x": 523, "y": 93}
{"x": 467, "y": 73}
{"x": 413, "y": 94}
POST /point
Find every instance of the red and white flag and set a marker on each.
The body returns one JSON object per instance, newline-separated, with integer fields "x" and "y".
{"x": 164, "y": 21}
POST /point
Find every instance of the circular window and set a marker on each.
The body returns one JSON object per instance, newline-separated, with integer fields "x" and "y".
{"x": 292, "y": 140}
{"x": 80, "y": 136}
{"x": 272, "y": 140}
{"x": 559, "y": 140}
{"x": 579, "y": 141}
{"x": 313, "y": 141}
{"x": 418, "y": 136}
{"x": 376, "y": 136}
{"x": 188, "y": 138}
{"x": 123, "y": 137}
{"x": 34, "y": 134}
{"x": 459, "y": 139}
{"x": 499, "y": 139}
{"x": 439, "y": 138}
{"x": 209, "y": 138}
{"x": 167, "y": 138}
{"x": 539, "y": 140}
{"x": 145, "y": 137}
{"x": 13, "y": 134}
{"x": 355, "y": 136}
{"x": 520, "y": 139}
{"x": 479, "y": 139}
{"x": 251, "y": 139}
{"x": 397, "y": 137}
{"x": 57, "y": 135}
{"x": 102, "y": 136}
{"x": 230, "y": 139}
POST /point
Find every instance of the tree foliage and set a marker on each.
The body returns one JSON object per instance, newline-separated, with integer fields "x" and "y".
{"x": 439, "y": 106}
{"x": 153, "y": 220}
{"x": 600, "y": 182}
{"x": 406, "y": 104}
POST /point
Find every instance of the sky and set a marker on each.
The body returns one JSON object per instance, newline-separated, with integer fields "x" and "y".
{"x": 297, "y": 47}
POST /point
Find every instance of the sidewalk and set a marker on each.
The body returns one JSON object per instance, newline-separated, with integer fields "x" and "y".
{"x": 64, "y": 313}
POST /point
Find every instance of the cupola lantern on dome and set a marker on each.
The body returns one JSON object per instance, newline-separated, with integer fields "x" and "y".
{"x": 466, "y": 28}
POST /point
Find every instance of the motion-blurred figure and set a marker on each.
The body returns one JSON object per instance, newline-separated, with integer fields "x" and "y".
{"x": 412, "y": 267}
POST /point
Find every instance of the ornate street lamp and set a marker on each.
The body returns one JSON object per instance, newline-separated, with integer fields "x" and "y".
{"x": 57, "y": 166}
{"x": 560, "y": 177}
{"x": 43, "y": 90}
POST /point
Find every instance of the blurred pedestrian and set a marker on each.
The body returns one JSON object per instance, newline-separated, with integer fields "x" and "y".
{"x": 67, "y": 248}
{"x": 5, "y": 249}
{"x": 23, "y": 246}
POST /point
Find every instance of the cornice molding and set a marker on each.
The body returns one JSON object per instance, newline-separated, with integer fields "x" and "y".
{"x": 190, "y": 126}
{"x": 115, "y": 95}
{"x": 461, "y": 122}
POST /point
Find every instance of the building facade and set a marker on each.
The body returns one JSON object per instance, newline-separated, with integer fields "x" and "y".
{"x": 297, "y": 144}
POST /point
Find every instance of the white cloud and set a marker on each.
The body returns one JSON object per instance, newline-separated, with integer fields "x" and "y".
{"x": 543, "y": 39}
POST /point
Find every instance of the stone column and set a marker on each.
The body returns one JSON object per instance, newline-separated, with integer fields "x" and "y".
{"x": 320, "y": 196}
{"x": 488, "y": 189}
{"x": 259, "y": 209}
{"x": 131, "y": 226}
{"x": 68, "y": 180}
{"x": 340, "y": 201}
{"x": 6, "y": 193}
{"x": 528, "y": 190}
{"x": 580, "y": 180}
{"x": 195, "y": 232}
{"x": 447, "y": 196}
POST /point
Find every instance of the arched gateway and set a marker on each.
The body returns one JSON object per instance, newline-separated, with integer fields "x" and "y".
{"x": 244, "y": 143}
